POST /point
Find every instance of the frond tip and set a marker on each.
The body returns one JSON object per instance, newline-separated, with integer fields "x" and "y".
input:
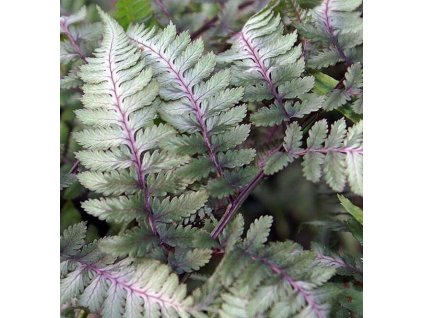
{"x": 269, "y": 65}
{"x": 334, "y": 33}
{"x": 123, "y": 151}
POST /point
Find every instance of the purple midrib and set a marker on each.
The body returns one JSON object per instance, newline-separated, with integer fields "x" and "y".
{"x": 297, "y": 287}
{"x": 300, "y": 20}
{"x": 130, "y": 137}
{"x": 193, "y": 101}
{"x": 264, "y": 72}
{"x": 333, "y": 38}
{"x": 358, "y": 151}
{"x": 115, "y": 279}
{"x": 340, "y": 263}
{"x": 345, "y": 150}
{"x": 73, "y": 41}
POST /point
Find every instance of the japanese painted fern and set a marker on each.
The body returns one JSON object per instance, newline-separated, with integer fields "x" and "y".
{"x": 333, "y": 31}
{"x": 255, "y": 279}
{"x": 166, "y": 148}
{"x": 200, "y": 106}
{"x": 270, "y": 66}
{"x": 123, "y": 151}
{"x": 117, "y": 289}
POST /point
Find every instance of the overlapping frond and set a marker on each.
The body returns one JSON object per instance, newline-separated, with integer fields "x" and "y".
{"x": 293, "y": 12}
{"x": 123, "y": 152}
{"x": 82, "y": 37}
{"x": 340, "y": 153}
{"x": 199, "y": 104}
{"x": 125, "y": 288}
{"x": 334, "y": 33}
{"x": 270, "y": 67}
{"x": 352, "y": 91}
{"x": 256, "y": 279}
{"x": 344, "y": 264}
{"x": 66, "y": 179}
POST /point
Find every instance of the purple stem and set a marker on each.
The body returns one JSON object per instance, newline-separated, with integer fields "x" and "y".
{"x": 271, "y": 133}
{"x": 242, "y": 196}
{"x": 236, "y": 204}
{"x": 264, "y": 71}
{"x": 212, "y": 22}
{"x": 300, "y": 20}
{"x": 332, "y": 36}
{"x": 163, "y": 9}
{"x": 72, "y": 40}
{"x": 74, "y": 167}
{"x": 193, "y": 101}
{"x": 308, "y": 297}
{"x": 209, "y": 24}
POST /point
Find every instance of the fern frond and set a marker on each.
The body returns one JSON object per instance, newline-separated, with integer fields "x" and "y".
{"x": 71, "y": 80}
{"x": 188, "y": 261}
{"x": 186, "y": 236}
{"x": 123, "y": 148}
{"x": 266, "y": 280}
{"x": 200, "y": 105}
{"x": 341, "y": 155}
{"x": 344, "y": 264}
{"x": 138, "y": 242}
{"x": 179, "y": 207}
{"x": 268, "y": 64}
{"x": 334, "y": 33}
{"x": 78, "y": 16}
{"x": 355, "y": 211}
{"x": 200, "y": 215}
{"x": 231, "y": 181}
{"x": 353, "y": 89}
{"x": 66, "y": 179}
{"x": 118, "y": 289}
{"x": 67, "y": 52}
{"x": 292, "y": 144}
{"x": 293, "y": 11}
{"x": 82, "y": 37}
{"x": 355, "y": 223}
